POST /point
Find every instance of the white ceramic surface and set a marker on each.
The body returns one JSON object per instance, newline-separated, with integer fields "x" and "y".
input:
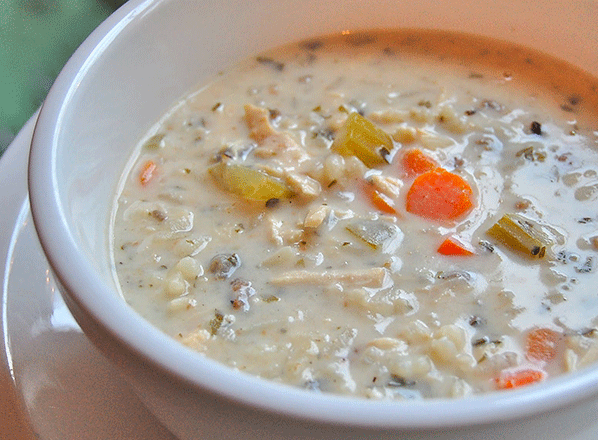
{"x": 60, "y": 387}
{"x": 124, "y": 76}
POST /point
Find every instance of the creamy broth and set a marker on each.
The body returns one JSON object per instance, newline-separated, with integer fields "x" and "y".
{"x": 248, "y": 230}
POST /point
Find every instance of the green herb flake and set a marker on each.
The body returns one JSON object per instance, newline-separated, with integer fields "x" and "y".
{"x": 276, "y": 65}
{"x": 216, "y": 322}
{"x": 399, "y": 381}
{"x": 154, "y": 142}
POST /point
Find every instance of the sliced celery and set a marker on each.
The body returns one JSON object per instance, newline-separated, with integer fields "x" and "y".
{"x": 359, "y": 137}
{"x": 520, "y": 235}
{"x": 379, "y": 234}
{"x": 249, "y": 183}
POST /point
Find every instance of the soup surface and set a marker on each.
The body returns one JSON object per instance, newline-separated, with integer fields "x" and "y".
{"x": 395, "y": 215}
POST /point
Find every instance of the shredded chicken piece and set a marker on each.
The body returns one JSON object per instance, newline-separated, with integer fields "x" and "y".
{"x": 389, "y": 186}
{"x": 258, "y": 122}
{"x": 303, "y": 185}
{"x": 281, "y": 233}
{"x": 315, "y": 216}
{"x": 271, "y": 142}
{"x": 373, "y": 277}
{"x": 279, "y": 143}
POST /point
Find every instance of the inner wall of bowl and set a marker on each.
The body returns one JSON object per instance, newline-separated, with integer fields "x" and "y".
{"x": 164, "y": 48}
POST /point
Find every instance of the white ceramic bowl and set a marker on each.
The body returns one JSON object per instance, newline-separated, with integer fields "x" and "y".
{"x": 129, "y": 71}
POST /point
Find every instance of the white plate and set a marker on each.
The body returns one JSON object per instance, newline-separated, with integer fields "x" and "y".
{"x": 51, "y": 376}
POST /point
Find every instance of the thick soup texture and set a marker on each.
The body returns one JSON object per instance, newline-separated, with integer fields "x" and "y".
{"x": 392, "y": 215}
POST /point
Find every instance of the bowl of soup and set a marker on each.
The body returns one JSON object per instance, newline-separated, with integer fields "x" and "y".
{"x": 339, "y": 220}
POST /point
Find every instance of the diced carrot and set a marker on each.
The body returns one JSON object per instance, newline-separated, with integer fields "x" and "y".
{"x": 542, "y": 344}
{"x": 147, "y": 172}
{"x": 516, "y": 379}
{"x": 382, "y": 201}
{"x": 415, "y": 162}
{"x": 439, "y": 195}
{"x": 452, "y": 246}
{"x": 378, "y": 199}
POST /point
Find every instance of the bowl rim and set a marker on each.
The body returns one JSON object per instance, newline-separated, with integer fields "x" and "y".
{"x": 85, "y": 290}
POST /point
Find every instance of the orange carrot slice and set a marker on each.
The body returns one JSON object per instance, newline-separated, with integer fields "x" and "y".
{"x": 380, "y": 200}
{"x": 439, "y": 195}
{"x": 147, "y": 172}
{"x": 383, "y": 202}
{"x": 516, "y": 379}
{"x": 452, "y": 246}
{"x": 542, "y": 344}
{"x": 415, "y": 162}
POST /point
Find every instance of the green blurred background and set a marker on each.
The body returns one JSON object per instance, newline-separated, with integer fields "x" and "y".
{"x": 37, "y": 37}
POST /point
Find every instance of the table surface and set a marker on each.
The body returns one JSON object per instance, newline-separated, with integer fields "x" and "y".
{"x": 36, "y": 39}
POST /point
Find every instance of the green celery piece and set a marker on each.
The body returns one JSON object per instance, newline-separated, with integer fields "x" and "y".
{"x": 520, "y": 235}
{"x": 359, "y": 137}
{"x": 379, "y": 234}
{"x": 249, "y": 183}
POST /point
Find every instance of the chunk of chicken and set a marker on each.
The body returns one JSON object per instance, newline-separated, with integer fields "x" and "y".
{"x": 374, "y": 277}
{"x": 272, "y": 143}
